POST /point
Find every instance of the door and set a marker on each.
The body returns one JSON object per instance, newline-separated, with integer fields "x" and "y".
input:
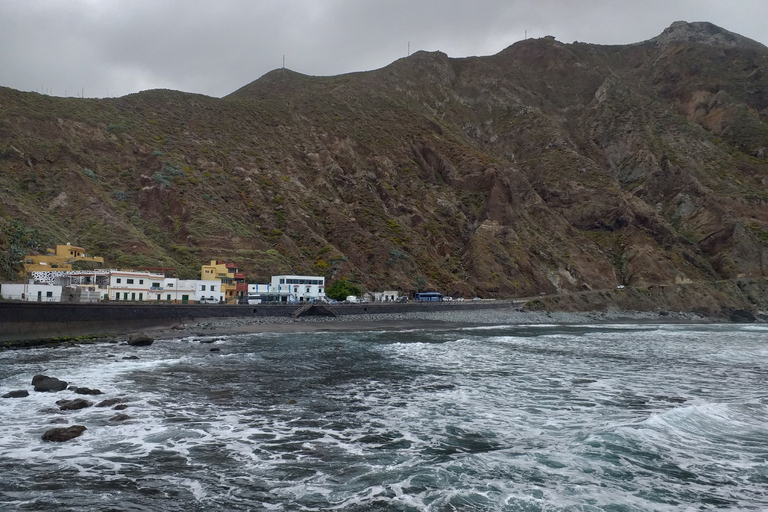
{"x": 185, "y": 299}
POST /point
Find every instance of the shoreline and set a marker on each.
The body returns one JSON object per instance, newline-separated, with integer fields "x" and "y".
{"x": 437, "y": 320}
{"x": 421, "y": 320}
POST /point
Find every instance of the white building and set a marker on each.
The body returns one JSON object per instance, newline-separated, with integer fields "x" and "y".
{"x": 207, "y": 290}
{"x": 31, "y": 292}
{"x": 386, "y": 296}
{"x": 120, "y": 285}
{"x": 156, "y": 287}
{"x": 293, "y": 287}
{"x": 125, "y": 285}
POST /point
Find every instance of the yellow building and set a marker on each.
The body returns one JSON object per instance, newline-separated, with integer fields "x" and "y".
{"x": 60, "y": 258}
{"x": 232, "y": 280}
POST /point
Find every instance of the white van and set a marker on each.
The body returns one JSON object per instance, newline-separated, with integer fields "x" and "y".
{"x": 351, "y": 299}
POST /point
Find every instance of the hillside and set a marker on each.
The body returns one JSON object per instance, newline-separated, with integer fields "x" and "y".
{"x": 547, "y": 167}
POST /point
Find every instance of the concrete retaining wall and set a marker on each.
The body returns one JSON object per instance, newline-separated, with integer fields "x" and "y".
{"x": 30, "y": 320}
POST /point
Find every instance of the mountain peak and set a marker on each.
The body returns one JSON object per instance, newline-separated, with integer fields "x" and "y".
{"x": 701, "y": 32}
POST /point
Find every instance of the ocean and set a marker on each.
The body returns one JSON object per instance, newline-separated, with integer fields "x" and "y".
{"x": 491, "y": 418}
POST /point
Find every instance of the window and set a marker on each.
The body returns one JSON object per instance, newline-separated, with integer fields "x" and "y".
{"x": 118, "y": 280}
{"x": 129, "y": 281}
{"x": 213, "y": 288}
{"x": 282, "y": 281}
{"x": 202, "y": 287}
{"x": 49, "y": 294}
{"x": 141, "y": 281}
{"x": 155, "y": 285}
{"x": 170, "y": 285}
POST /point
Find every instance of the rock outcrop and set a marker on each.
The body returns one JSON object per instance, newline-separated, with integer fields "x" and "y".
{"x": 43, "y": 383}
{"x": 61, "y": 434}
{"x": 140, "y": 340}
{"x": 73, "y": 405}
{"x": 19, "y": 393}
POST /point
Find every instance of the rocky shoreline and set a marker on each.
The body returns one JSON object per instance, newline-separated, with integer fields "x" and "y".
{"x": 434, "y": 319}
{"x": 398, "y": 321}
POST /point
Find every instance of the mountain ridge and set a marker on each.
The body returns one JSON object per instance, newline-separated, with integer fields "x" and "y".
{"x": 546, "y": 167}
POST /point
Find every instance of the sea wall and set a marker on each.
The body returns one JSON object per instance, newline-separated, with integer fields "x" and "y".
{"x": 35, "y": 320}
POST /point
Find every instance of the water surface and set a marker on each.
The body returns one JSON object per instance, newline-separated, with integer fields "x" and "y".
{"x": 517, "y": 418}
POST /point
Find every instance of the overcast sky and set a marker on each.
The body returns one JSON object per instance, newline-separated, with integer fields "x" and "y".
{"x": 118, "y": 47}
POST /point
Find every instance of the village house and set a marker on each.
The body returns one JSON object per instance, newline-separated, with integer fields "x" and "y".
{"x": 232, "y": 280}
{"x": 386, "y": 296}
{"x": 30, "y": 292}
{"x": 60, "y": 258}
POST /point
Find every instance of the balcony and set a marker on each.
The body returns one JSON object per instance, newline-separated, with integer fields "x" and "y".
{"x": 239, "y": 275}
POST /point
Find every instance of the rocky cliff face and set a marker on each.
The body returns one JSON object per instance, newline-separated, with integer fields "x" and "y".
{"x": 548, "y": 167}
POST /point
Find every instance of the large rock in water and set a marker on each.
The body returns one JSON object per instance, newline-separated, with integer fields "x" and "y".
{"x": 73, "y": 405}
{"x": 742, "y": 316}
{"x": 141, "y": 340}
{"x": 87, "y": 391}
{"x": 19, "y": 393}
{"x": 46, "y": 383}
{"x": 61, "y": 434}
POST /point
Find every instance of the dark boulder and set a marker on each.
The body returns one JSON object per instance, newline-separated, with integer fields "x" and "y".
{"x": 131, "y": 358}
{"x": 140, "y": 340}
{"x": 87, "y": 391}
{"x": 61, "y": 434}
{"x": 73, "y": 405}
{"x": 215, "y": 349}
{"x": 44, "y": 383}
{"x": 19, "y": 393}
{"x": 120, "y": 407}
{"x": 109, "y": 402}
{"x": 119, "y": 417}
{"x": 742, "y": 316}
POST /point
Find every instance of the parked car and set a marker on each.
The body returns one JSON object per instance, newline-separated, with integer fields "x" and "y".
{"x": 459, "y": 299}
{"x": 402, "y": 299}
{"x": 477, "y": 299}
{"x": 207, "y": 300}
